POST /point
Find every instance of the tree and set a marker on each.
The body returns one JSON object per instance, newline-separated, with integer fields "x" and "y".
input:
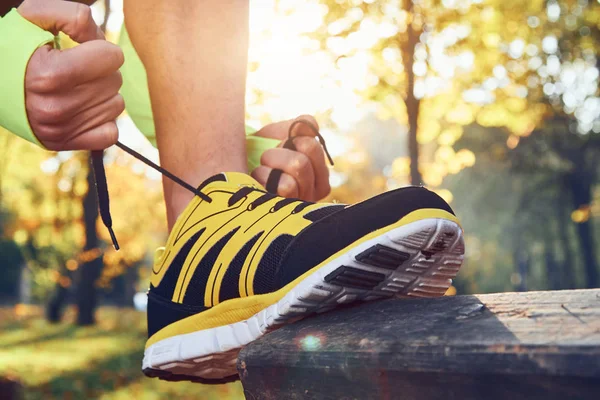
{"x": 528, "y": 69}
{"x": 548, "y": 58}
{"x": 418, "y": 67}
{"x": 345, "y": 19}
{"x": 90, "y": 270}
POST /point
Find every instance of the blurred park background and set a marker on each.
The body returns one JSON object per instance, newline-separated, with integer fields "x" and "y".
{"x": 493, "y": 104}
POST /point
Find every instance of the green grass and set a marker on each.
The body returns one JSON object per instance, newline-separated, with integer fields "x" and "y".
{"x": 63, "y": 361}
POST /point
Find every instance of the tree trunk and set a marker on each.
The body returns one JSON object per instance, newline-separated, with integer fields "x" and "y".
{"x": 89, "y": 271}
{"x": 581, "y": 189}
{"x": 586, "y": 241}
{"x": 521, "y": 259}
{"x": 552, "y": 267}
{"x": 55, "y": 306}
{"x": 11, "y": 389}
{"x": 412, "y": 103}
{"x": 86, "y": 291}
{"x": 131, "y": 277}
{"x": 568, "y": 262}
{"x": 59, "y": 298}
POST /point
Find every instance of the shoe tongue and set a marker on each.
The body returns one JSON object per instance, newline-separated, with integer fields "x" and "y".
{"x": 228, "y": 179}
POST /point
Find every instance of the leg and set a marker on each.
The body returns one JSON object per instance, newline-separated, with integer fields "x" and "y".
{"x": 248, "y": 261}
{"x": 195, "y": 53}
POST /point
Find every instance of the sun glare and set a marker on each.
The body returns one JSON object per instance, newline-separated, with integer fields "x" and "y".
{"x": 288, "y": 74}
{"x": 289, "y": 71}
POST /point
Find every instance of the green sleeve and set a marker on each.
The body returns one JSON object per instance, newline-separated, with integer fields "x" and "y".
{"x": 137, "y": 98}
{"x": 19, "y": 38}
{"x": 255, "y": 146}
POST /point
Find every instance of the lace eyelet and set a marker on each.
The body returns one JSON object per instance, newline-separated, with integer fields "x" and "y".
{"x": 239, "y": 201}
{"x": 250, "y": 207}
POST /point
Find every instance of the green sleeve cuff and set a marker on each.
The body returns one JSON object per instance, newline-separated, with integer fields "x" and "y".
{"x": 256, "y": 146}
{"x": 19, "y": 38}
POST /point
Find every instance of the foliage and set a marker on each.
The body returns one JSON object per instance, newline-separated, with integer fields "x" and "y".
{"x": 512, "y": 85}
{"x": 43, "y": 191}
{"x": 549, "y": 63}
{"x": 67, "y": 362}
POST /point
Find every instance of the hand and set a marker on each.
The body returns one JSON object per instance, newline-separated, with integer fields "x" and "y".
{"x": 305, "y": 173}
{"x": 72, "y": 96}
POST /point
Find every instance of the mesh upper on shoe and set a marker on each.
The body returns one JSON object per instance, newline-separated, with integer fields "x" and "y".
{"x": 323, "y": 212}
{"x": 264, "y": 280}
{"x": 338, "y": 230}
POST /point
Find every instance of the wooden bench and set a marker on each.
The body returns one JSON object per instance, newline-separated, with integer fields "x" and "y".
{"x": 532, "y": 345}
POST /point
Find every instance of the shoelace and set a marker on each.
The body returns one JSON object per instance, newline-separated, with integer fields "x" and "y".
{"x": 243, "y": 192}
{"x": 104, "y": 200}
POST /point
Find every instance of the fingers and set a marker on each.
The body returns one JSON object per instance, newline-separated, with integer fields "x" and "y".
{"x": 306, "y": 143}
{"x": 92, "y": 93}
{"x": 91, "y": 60}
{"x": 57, "y": 136}
{"x": 314, "y": 151}
{"x": 72, "y": 18}
{"x": 97, "y": 138}
{"x": 280, "y": 130}
{"x": 304, "y": 129}
{"x": 64, "y": 105}
{"x": 277, "y": 130}
{"x": 98, "y": 115}
{"x": 288, "y": 187}
{"x": 51, "y": 70}
{"x": 306, "y": 165}
{"x": 71, "y": 95}
{"x": 295, "y": 164}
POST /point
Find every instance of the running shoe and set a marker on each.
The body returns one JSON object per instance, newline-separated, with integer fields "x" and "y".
{"x": 241, "y": 261}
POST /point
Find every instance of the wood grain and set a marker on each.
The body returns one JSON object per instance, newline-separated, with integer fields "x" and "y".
{"x": 510, "y": 345}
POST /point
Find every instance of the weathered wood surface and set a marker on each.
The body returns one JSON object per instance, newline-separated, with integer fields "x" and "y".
{"x": 513, "y": 345}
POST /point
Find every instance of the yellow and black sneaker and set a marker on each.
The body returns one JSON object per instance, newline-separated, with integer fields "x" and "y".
{"x": 241, "y": 261}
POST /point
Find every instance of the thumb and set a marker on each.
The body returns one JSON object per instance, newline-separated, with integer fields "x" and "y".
{"x": 281, "y": 130}
{"x": 277, "y": 130}
{"x": 74, "y": 19}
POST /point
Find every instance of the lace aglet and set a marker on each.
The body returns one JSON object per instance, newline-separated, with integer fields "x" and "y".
{"x": 326, "y": 151}
{"x": 113, "y": 238}
{"x": 330, "y": 159}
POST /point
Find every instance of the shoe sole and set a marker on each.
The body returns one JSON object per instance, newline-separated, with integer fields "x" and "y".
{"x": 418, "y": 259}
